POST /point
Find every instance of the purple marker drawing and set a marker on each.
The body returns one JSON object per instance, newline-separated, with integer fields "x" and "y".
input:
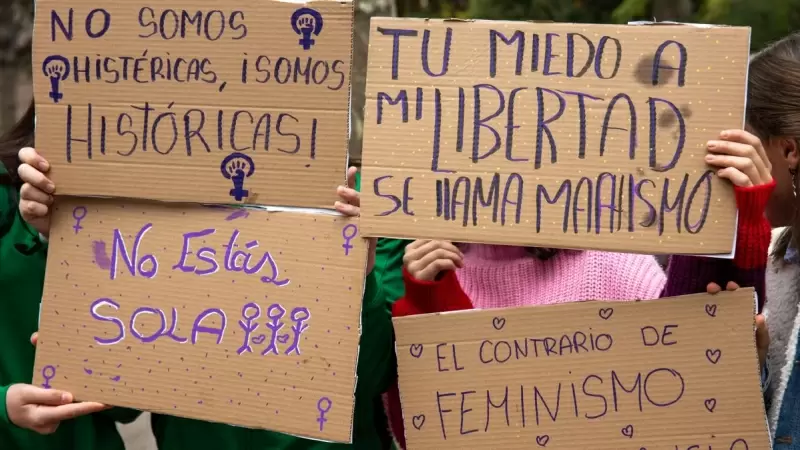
{"x": 542, "y": 441}
{"x": 348, "y": 233}
{"x": 241, "y": 213}
{"x": 249, "y": 325}
{"x": 79, "y": 213}
{"x": 275, "y": 313}
{"x": 416, "y": 350}
{"x": 711, "y": 310}
{"x": 48, "y": 373}
{"x": 323, "y": 406}
{"x": 300, "y": 316}
{"x": 711, "y": 403}
{"x": 101, "y": 258}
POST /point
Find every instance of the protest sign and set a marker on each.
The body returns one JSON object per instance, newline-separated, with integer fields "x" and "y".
{"x": 559, "y": 135}
{"x": 238, "y": 316}
{"x": 241, "y": 102}
{"x": 678, "y": 373}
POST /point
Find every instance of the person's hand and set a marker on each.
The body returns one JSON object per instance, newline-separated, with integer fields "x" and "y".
{"x": 349, "y": 204}
{"x": 36, "y": 195}
{"x": 762, "y": 332}
{"x": 42, "y": 410}
{"x": 426, "y": 259}
{"x": 741, "y": 158}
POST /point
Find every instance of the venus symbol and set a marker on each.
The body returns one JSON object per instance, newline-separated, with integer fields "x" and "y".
{"x": 48, "y": 373}
{"x": 348, "y": 233}
{"x": 78, "y": 214}
{"x": 323, "y": 406}
{"x": 55, "y": 67}
{"x": 236, "y": 167}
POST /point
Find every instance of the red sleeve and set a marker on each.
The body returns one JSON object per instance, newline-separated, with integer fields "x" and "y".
{"x": 423, "y": 297}
{"x": 691, "y": 274}
{"x": 753, "y": 238}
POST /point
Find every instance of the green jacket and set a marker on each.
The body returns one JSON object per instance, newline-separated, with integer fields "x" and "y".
{"x": 22, "y": 262}
{"x": 376, "y": 370}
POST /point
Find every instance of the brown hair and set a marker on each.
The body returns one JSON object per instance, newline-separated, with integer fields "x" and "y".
{"x": 773, "y": 106}
{"x": 19, "y": 136}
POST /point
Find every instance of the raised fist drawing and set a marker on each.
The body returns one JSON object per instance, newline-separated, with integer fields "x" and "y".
{"x": 306, "y": 24}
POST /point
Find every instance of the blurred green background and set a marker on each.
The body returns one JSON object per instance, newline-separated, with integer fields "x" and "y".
{"x": 770, "y": 19}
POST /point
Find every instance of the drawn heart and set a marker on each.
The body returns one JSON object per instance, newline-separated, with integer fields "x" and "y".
{"x": 627, "y": 431}
{"x": 259, "y": 339}
{"x": 416, "y": 350}
{"x": 542, "y": 440}
{"x": 711, "y": 403}
{"x": 284, "y": 338}
{"x": 418, "y": 421}
{"x": 498, "y": 323}
{"x": 713, "y": 355}
{"x": 606, "y": 313}
{"x": 711, "y": 310}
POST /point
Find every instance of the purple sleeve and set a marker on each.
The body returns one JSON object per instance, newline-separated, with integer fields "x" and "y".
{"x": 691, "y": 274}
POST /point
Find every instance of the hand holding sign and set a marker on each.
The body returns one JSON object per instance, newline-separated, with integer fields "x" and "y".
{"x": 42, "y": 410}
{"x": 349, "y": 204}
{"x": 741, "y": 157}
{"x": 425, "y": 260}
{"x": 36, "y": 192}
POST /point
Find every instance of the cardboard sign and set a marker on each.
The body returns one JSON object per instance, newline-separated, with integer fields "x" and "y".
{"x": 558, "y": 135}
{"x": 237, "y": 316}
{"x": 677, "y": 373}
{"x": 195, "y": 101}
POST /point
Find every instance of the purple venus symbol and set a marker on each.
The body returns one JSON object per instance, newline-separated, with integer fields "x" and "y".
{"x": 48, "y": 373}
{"x": 56, "y": 68}
{"x": 348, "y": 233}
{"x": 78, "y": 214}
{"x": 236, "y": 167}
{"x": 323, "y": 406}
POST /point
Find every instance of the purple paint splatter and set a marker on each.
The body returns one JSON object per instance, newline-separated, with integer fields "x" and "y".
{"x": 239, "y": 214}
{"x": 101, "y": 258}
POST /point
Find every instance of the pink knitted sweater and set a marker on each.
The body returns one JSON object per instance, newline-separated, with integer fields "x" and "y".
{"x": 497, "y": 276}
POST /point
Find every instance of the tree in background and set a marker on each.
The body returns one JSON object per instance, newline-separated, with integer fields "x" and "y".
{"x": 769, "y": 19}
{"x": 16, "y": 28}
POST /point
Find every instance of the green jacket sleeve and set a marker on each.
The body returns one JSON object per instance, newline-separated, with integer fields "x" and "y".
{"x": 377, "y": 366}
{"x": 4, "y": 420}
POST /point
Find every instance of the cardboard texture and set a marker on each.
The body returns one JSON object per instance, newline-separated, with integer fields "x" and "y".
{"x": 558, "y": 135}
{"x": 678, "y": 373}
{"x": 185, "y": 101}
{"x": 237, "y": 316}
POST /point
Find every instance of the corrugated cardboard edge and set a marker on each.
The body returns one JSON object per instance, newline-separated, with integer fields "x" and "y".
{"x": 759, "y": 371}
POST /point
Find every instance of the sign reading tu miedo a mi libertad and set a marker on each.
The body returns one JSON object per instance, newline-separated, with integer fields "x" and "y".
{"x": 559, "y": 135}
